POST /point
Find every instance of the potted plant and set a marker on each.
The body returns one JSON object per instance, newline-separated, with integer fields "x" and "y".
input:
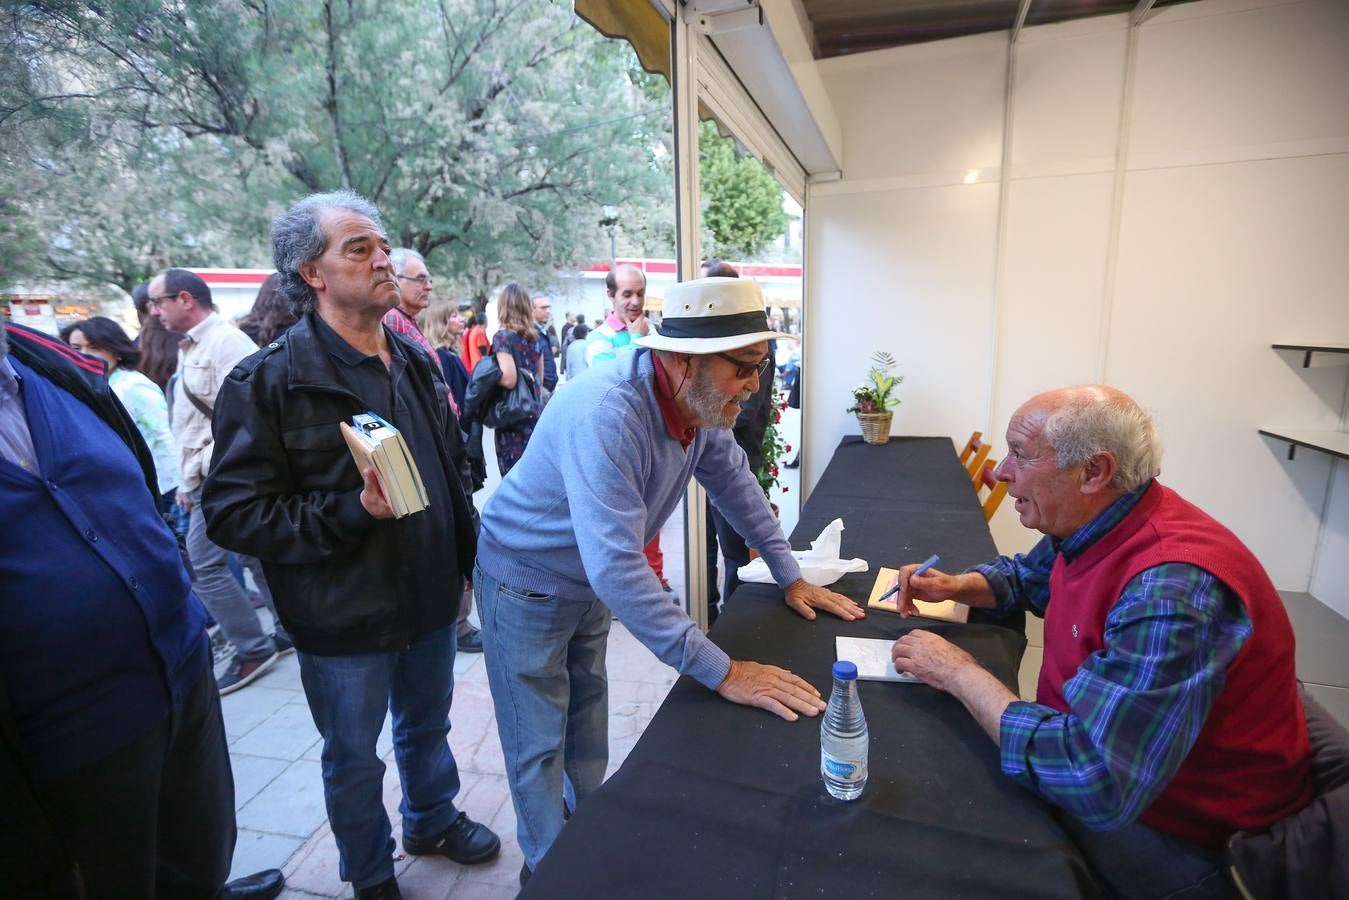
{"x": 872, "y": 399}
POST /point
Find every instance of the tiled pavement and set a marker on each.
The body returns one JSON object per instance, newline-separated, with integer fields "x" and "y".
{"x": 279, "y": 795}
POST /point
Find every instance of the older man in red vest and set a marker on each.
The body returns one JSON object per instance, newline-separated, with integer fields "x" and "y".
{"x": 1167, "y": 715}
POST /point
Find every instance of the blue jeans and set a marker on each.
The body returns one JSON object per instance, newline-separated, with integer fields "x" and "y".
{"x": 1137, "y": 862}
{"x": 348, "y": 697}
{"x": 545, "y": 666}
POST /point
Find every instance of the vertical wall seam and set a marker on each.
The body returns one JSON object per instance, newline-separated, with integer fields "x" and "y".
{"x": 1000, "y": 238}
{"x": 1117, "y": 204}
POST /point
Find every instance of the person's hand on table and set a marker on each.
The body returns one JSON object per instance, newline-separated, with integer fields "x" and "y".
{"x": 932, "y": 586}
{"x": 933, "y": 659}
{"x": 768, "y": 687}
{"x": 805, "y": 598}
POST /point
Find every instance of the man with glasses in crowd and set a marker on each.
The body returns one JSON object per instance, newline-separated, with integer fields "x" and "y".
{"x": 211, "y": 347}
{"x": 562, "y": 537}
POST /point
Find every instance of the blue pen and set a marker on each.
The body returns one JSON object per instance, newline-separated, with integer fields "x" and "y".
{"x": 927, "y": 564}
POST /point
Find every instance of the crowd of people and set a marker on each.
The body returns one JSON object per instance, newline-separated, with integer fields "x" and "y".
{"x": 1168, "y": 657}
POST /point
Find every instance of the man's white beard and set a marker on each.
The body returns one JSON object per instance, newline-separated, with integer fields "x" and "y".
{"x": 709, "y": 404}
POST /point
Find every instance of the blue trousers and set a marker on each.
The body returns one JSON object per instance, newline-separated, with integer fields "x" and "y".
{"x": 545, "y": 666}
{"x": 1137, "y": 861}
{"x": 348, "y": 697}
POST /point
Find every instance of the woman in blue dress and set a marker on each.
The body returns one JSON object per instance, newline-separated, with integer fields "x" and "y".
{"x": 514, "y": 347}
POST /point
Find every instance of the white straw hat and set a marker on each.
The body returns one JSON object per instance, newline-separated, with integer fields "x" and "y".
{"x": 712, "y": 315}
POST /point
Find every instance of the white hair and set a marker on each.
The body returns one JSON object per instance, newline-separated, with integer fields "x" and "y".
{"x": 1093, "y": 421}
{"x": 399, "y": 256}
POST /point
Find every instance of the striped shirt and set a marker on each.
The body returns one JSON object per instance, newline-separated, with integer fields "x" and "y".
{"x": 1137, "y": 706}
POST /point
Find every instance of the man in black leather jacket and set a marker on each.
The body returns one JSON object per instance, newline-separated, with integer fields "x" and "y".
{"x": 370, "y": 600}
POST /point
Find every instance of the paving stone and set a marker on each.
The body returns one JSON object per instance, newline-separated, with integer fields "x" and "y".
{"x": 431, "y": 878}
{"x": 291, "y": 805}
{"x": 284, "y": 674}
{"x": 252, "y": 774}
{"x": 255, "y": 851}
{"x": 286, "y": 734}
{"x": 314, "y": 869}
{"x": 247, "y": 708}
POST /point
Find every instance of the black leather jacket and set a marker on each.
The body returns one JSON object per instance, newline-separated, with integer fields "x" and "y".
{"x": 283, "y": 487}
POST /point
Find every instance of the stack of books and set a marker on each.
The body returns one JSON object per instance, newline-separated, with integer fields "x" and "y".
{"x": 374, "y": 442}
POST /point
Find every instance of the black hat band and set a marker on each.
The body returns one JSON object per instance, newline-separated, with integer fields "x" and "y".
{"x": 714, "y": 326}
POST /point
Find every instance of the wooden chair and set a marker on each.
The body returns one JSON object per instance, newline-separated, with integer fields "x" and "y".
{"x": 976, "y": 463}
{"x": 996, "y": 489}
{"x": 966, "y": 453}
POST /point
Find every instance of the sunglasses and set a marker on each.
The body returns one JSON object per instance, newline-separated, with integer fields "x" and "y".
{"x": 744, "y": 369}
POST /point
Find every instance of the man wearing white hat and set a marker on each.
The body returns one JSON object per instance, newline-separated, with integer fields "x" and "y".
{"x": 621, "y": 445}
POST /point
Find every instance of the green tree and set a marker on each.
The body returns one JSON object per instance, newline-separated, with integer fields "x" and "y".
{"x": 488, "y": 132}
{"x": 742, "y": 202}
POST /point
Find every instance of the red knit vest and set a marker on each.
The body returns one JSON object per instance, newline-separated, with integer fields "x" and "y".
{"x": 1249, "y": 766}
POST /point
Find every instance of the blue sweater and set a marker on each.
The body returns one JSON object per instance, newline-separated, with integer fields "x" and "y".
{"x": 599, "y": 478}
{"x": 101, "y": 635}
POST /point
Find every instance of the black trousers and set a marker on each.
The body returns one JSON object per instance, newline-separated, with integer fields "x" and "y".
{"x": 736, "y": 551}
{"x": 156, "y": 818}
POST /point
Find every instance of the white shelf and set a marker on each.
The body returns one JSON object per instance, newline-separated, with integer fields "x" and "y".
{"x": 1336, "y": 443}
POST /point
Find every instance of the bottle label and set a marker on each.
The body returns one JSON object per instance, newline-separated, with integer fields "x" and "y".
{"x": 844, "y": 769}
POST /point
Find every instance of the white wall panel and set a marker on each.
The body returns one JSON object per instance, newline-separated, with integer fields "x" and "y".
{"x": 1330, "y": 580}
{"x": 931, "y": 108}
{"x": 1217, "y": 263}
{"x": 1054, "y": 264}
{"x": 1213, "y": 79}
{"x": 910, "y": 272}
{"x": 1068, "y": 87}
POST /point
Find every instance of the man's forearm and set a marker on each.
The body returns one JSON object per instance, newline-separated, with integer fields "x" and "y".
{"x": 984, "y": 696}
{"x": 972, "y": 589}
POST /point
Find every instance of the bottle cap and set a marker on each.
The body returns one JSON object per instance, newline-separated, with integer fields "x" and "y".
{"x": 845, "y": 671}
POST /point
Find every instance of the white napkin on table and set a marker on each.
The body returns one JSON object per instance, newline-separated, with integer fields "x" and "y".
{"x": 820, "y": 565}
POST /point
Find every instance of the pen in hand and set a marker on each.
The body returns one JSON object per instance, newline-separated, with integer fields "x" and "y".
{"x": 927, "y": 564}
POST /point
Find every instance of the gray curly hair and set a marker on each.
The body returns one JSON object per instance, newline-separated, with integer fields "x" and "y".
{"x": 1096, "y": 418}
{"x": 298, "y": 238}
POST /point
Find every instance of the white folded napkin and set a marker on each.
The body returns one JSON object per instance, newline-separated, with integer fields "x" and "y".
{"x": 820, "y": 565}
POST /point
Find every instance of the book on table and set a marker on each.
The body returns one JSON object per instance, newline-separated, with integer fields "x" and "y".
{"x": 946, "y": 610}
{"x": 375, "y": 443}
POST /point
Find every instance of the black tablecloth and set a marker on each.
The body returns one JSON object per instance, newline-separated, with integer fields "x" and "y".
{"x": 721, "y": 801}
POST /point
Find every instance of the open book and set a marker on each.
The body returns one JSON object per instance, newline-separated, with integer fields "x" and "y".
{"x": 946, "y": 610}
{"x": 374, "y": 442}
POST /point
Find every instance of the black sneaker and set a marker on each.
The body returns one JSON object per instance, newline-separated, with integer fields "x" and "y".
{"x": 242, "y": 673}
{"x": 470, "y": 641}
{"x": 466, "y": 842}
{"x": 385, "y": 890}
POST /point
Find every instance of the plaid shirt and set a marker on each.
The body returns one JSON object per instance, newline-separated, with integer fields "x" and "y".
{"x": 398, "y": 320}
{"x": 1136, "y": 707}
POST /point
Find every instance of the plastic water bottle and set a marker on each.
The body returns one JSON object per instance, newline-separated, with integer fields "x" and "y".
{"x": 844, "y": 740}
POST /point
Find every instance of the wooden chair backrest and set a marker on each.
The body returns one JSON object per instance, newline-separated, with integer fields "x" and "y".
{"x": 969, "y": 447}
{"x": 996, "y": 489}
{"x": 977, "y": 461}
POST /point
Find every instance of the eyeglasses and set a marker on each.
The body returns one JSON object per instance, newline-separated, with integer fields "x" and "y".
{"x": 423, "y": 280}
{"x": 744, "y": 369}
{"x": 156, "y": 301}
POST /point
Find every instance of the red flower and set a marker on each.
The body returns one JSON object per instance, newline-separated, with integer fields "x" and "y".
{"x": 785, "y": 489}
{"x": 787, "y": 449}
